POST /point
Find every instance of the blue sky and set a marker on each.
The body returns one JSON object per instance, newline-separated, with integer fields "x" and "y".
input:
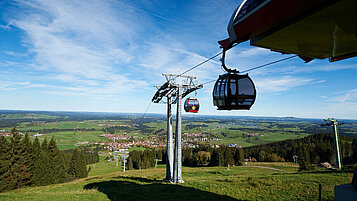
{"x": 107, "y": 55}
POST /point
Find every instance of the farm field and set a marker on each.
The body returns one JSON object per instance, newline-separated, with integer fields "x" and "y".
{"x": 69, "y": 129}
{"x": 251, "y": 182}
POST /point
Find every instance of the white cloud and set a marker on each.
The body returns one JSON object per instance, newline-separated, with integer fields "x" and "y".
{"x": 85, "y": 42}
{"x": 255, "y": 51}
{"x": 345, "y": 110}
{"x": 11, "y": 85}
{"x": 291, "y": 68}
{"x": 11, "y": 63}
{"x": 174, "y": 59}
{"x": 349, "y": 96}
{"x": 90, "y": 43}
{"x": 15, "y": 54}
{"x": 283, "y": 83}
{"x": 5, "y": 27}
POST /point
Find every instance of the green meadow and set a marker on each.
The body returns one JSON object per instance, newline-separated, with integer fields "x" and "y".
{"x": 255, "y": 181}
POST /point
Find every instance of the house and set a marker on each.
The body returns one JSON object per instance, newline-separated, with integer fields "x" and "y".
{"x": 325, "y": 165}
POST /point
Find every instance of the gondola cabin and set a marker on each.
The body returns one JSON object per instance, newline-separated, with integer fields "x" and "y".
{"x": 234, "y": 91}
{"x": 191, "y": 105}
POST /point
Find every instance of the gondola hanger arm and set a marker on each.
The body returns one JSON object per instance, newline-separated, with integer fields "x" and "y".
{"x": 224, "y": 64}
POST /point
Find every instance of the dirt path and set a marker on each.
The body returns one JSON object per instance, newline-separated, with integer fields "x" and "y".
{"x": 270, "y": 168}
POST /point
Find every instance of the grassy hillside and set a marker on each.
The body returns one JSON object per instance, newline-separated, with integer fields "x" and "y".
{"x": 252, "y": 182}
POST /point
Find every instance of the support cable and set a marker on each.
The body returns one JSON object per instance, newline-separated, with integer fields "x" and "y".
{"x": 147, "y": 108}
{"x": 216, "y": 55}
{"x": 257, "y": 67}
{"x": 274, "y": 62}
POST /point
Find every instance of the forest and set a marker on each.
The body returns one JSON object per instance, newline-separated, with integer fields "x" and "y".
{"x": 203, "y": 155}
{"x": 310, "y": 150}
{"x": 27, "y": 163}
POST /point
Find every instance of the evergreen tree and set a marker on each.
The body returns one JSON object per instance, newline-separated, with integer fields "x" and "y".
{"x": 129, "y": 164}
{"x": 354, "y": 150}
{"x": 77, "y": 167}
{"x": 28, "y": 155}
{"x": 42, "y": 172}
{"x": 227, "y": 156}
{"x": 44, "y": 145}
{"x": 36, "y": 149}
{"x": 214, "y": 158}
{"x": 19, "y": 173}
{"x": 73, "y": 165}
{"x": 83, "y": 172}
{"x": 4, "y": 163}
{"x": 262, "y": 155}
{"x": 67, "y": 160}
{"x": 56, "y": 163}
{"x": 239, "y": 156}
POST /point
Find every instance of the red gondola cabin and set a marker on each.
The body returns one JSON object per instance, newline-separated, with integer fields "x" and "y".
{"x": 191, "y": 105}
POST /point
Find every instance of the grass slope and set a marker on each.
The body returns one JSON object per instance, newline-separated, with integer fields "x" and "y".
{"x": 108, "y": 182}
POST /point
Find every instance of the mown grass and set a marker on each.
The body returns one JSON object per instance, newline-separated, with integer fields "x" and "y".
{"x": 26, "y": 126}
{"x": 105, "y": 182}
{"x": 103, "y": 168}
{"x": 68, "y": 139}
{"x": 257, "y": 140}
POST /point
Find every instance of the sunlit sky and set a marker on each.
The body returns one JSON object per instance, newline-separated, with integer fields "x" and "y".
{"x": 107, "y": 55}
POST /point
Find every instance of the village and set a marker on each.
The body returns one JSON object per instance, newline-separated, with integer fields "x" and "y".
{"x": 129, "y": 141}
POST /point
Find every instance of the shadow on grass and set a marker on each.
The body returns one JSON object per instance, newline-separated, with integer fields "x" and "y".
{"x": 125, "y": 190}
{"x": 313, "y": 172}
{"x": 141, "y": 179}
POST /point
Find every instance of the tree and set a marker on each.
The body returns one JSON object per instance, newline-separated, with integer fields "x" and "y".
{"x": 42, "y": 172}
{"x": 36, "y": 148}
{"x": 83, "y": 172}
{"x": 44, "y": 145}
{"x": 214, "y": 158}
{"x": 28, "y": 156}
{"x": 262, "y": 155}
{"x": 227, "y": 156}
{"x": 4, "y": 163}
{"x": 203, "y": 157}
{"x": 56, "y": 161}
{"x": 129, "y": 164}
{"x": 19, "y": 174}
{"x": 77, "y": 166}
{"x": 238, "y": 156}
{"x": 354, "y": 150}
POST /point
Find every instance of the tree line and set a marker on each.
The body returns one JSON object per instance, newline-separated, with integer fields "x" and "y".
{"x": 203, "y": 155}
{"x": 206, "y": 155}
{"x": 310, "y": 150}
{"x": 27, "y": 163}
{"x": 144, "y": 159}
{"x": 52, "y": 130}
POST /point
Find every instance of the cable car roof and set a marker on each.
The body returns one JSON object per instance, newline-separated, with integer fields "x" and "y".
{"x": 309, "y": 28}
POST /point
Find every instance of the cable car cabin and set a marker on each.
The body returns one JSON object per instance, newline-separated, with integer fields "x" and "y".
{"x": 234, "y": 92}
{"x": 309, "y": 28}
{"x": 191, "y": 105}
